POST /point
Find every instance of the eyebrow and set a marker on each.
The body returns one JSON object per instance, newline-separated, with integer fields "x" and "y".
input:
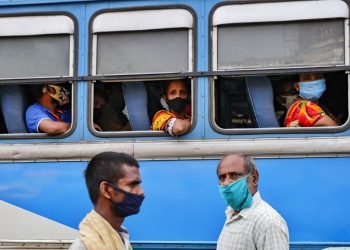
{"x": 135, "y": 181}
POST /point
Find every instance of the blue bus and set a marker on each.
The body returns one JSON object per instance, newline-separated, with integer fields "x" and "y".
{"x": 240, "y": 59}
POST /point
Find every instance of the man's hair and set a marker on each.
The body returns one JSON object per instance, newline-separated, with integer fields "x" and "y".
{"x": 106, "y": 166}
{"x": 249, "y": 162}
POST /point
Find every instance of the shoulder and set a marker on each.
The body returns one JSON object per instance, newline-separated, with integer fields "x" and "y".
{"x": 266, "y": 216}
{"x": 160, "y": 119}
{"x": 35, "y": 107}
{"x": 77, "y": 245}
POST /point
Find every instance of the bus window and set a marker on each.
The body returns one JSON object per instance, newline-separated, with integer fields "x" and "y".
{"x": 237, "y": 108}
{"x": 39, "y": 56}
{"x": 114, "y": 106}
{"x": 289, "y": 46}
{"x": 137, "y": 43}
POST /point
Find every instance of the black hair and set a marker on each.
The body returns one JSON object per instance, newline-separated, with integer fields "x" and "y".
{"x": 106, "y": 166}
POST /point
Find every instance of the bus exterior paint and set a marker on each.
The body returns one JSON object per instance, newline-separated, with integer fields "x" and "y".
{"x": 303, "y": 175}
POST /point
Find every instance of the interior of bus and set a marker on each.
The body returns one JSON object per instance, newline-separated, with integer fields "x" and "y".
{"x": 238, "y": 106}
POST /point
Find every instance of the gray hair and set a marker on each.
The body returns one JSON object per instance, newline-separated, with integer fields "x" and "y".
{"x": 249, "y": 163}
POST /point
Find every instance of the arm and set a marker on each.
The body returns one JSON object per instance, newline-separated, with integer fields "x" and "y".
{"x": 53, "y": 127}
{"x": 181, "y": 126}
{"x": 325, "y": 121}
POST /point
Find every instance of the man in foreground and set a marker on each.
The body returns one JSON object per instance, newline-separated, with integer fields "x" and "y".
{"x": 250, "y": 223}
{"x": 114, "y": 185}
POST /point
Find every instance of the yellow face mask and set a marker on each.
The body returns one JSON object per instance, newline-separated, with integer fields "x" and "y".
{"x": 58, "y": 93}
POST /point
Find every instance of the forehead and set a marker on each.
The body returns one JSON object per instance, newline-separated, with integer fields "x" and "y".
{"x": 232, "y": 163}
{"x": 176, "y": 85}
{"x": 129, "y": 173}
{"x": 311, "y": 75}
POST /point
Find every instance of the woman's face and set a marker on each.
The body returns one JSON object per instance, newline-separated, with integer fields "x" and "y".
{"x": 308, "y": 77}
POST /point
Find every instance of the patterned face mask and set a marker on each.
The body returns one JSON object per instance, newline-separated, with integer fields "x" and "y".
{"x": 58, "y": 93}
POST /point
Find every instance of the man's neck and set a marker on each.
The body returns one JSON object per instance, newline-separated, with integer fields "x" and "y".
{"x": 114, "y": 220}
{"x": 45, "y": 102}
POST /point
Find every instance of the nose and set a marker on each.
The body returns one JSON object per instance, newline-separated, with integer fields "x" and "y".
{"x": 141, "y": 191}
{"x": 227, "y": 181}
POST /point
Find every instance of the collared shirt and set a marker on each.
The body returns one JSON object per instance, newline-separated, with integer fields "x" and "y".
{"x": 36, "y": 113}
{"x": 256, "y": 227}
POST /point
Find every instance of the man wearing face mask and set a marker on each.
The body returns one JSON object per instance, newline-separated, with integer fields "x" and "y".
{"x": 305, "y": 111}
{"x": 177, "y": 120}
{"x": 114, "y": 184}
{"x": 47, "y": 115}
{"x": 251, "y": 223}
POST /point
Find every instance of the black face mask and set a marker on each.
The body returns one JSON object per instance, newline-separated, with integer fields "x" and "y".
{"x": 130, "y": 205}
{"x": 178, "y": 104}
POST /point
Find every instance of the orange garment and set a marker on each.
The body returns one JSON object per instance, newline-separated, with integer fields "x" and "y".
{"x": 160, "y": 119}
{"x": 303, "y": 113}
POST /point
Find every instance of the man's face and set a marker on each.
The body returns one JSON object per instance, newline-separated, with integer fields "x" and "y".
{"x": 231, "y": 169}
{"x": 131, "y": 182}
{"x": 176, "y": 89}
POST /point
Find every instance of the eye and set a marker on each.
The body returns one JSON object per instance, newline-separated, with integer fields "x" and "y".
{"x": 221, "y": 178}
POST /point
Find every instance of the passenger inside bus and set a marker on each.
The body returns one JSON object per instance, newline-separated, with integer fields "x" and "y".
{"x": 305, "y": 111}
{"x": 106, "y": 117}
{"x": 176, "y": 118}
{"x": 48, "y": 114}
{"x": 233, "y": 101}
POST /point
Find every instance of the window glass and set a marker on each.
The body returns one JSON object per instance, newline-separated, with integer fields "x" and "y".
{"x": 142, "y": 52}
{"x": 307, "y": 43}
{"x": 35, "y": 56}
{"x": 236, "y": 105}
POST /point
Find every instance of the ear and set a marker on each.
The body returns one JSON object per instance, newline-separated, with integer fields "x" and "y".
{"x": 255, "y": 178}
{"x": 44, "y": 90}
{"x": 296, "y": 86}
{"x": 105, "y": 190}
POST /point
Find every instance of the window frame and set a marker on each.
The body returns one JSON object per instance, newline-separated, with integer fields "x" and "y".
{"x": 134, "y": 77}
{"x": 72, "y": 76}
{"x": 213, "y": 52}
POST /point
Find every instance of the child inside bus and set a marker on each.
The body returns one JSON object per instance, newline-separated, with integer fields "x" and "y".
{"x": 305, "y": 111}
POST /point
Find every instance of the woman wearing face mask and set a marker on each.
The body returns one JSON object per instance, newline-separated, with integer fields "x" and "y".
{"x": 305, "y": 111}
{"x": 176, "y": 120}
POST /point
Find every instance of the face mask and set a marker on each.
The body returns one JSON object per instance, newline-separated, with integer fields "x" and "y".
{"x": 237, "y": 194}
{"x": 130, "y": 205}
{"x": 312, "y": 90}
{"x": 178, "y": 104}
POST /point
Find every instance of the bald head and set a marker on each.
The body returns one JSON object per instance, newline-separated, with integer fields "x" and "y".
{"x": 235, "y": 166}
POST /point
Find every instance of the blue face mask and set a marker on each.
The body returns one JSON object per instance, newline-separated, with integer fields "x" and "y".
{"x": 237, "y": 194}
{"x": 312, "y": 90}
{"x": 130, "y": 205}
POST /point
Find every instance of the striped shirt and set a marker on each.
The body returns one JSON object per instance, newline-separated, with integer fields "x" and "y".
{"x": 257, "y": 227}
